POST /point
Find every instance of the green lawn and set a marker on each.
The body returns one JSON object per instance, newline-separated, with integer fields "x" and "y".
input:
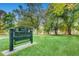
{"x": 48, "y": 45}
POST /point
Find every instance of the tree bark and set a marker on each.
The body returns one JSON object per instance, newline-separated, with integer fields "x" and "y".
{"x": 56, "y": 31}
{"x": 48, "y": 32}
{"x": 56, "y": 27}
{"x": 69, "y": 30}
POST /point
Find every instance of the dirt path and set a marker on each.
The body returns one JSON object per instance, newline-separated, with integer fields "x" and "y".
{"x": 4, "y": 37}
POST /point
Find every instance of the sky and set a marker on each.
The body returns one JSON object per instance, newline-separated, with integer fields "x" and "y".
{"x": 8, "y": 7}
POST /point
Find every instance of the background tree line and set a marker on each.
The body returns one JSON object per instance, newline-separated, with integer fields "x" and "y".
{"x": 62, "y": 17}
{"x": 56, "y": 17}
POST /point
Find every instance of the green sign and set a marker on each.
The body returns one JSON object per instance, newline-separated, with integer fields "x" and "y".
{"x": 19, "y": 34}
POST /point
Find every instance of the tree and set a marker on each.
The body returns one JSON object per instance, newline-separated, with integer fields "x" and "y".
{"x": 2, "y": 13}
{"x": 68, "y": 16}
{"x": 30, "y": 16}
{"x": 9, "y": 20}
{"x": 55, "y": 11}
{"x": 48, "y": 24}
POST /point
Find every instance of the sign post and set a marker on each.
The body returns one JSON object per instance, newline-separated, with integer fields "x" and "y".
{"x": 11, "y": 40}
{"x": 31, "y": 38}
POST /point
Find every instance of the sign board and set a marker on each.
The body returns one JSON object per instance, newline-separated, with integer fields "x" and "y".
{"x": 18, "y": 34}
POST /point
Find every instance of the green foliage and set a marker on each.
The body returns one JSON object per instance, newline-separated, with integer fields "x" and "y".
{"x": 64, "y": 16}
{"x": 70, "y": 16}
{"x": 2, "y": 25}
{"x": 48, "y": 26}
{"x": 55, "y": 12}
{"x": 9, "y": 19}
{"x": 29, "y": 17}
{"x": 57, "y": 17}
{"x": 58, "y": 9}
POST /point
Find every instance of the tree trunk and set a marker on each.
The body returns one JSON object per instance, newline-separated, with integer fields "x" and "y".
{"x": 69, "y": 30}
{"x": 56, "y": 31}
{"x": 56, "y": 27}
{"x": 48, "y": 32}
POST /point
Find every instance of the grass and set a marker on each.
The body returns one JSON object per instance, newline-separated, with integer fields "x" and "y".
{"x": 48, "y": 45}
